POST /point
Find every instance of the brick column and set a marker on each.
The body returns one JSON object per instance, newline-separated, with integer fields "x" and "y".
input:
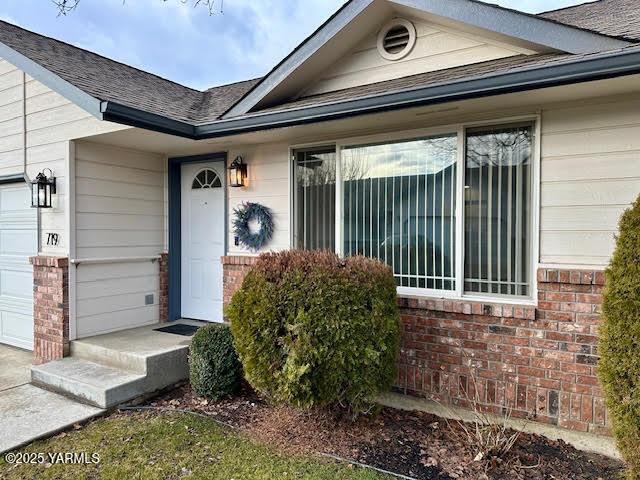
{"x": 234, "y": 269}
{"x": 50, "y": 308}
{"x": 163, "y": 299}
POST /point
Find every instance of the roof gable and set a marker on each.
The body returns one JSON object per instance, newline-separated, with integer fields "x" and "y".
{"x": 328, "y": 43}
{"x": 437, "y": 47}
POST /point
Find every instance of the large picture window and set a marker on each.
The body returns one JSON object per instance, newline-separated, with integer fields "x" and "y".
{"x": 399, "y": 203}
{"x": 446, "y": 221}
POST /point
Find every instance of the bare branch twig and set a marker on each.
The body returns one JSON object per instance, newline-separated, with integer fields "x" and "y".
{"x": 65, "y": 6}
{"x": 213, "y": 6}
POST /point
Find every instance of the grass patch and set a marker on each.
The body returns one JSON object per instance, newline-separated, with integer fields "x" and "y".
{"x": 146, "y": 445}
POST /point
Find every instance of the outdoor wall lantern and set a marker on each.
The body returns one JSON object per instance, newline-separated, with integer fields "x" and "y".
{"x": 42, "y": 188}
{"x": 237, "y": 173}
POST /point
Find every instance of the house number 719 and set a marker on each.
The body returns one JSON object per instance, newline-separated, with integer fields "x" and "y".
{"x": 53, "y": 239}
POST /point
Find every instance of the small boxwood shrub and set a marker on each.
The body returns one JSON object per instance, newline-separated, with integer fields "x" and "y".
{"x": 214, "y": 368}
{"x": 619, "y": 347}
{"x": 313, "y": 330}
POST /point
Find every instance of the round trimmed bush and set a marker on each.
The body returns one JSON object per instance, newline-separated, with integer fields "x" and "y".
{"x": 214, "y": 368}
{"x": 619, "y": 348}
{"x": 314, "y": 330}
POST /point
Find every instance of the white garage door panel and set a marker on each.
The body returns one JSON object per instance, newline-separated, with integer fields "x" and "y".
{"x": 16, "y": 284}
{"x": 13, "y": 199}
{"x": 18, "y": 241}
{"x": 17, "y": 329}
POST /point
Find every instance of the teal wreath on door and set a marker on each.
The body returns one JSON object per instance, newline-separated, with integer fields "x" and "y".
{"x": 246, "y": 213}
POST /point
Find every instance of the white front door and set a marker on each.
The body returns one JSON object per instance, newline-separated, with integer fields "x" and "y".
{"x": 18, "y": 241}
{"x": 203, "y": 236}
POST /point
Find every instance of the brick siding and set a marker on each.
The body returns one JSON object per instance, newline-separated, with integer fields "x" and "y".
{"x": 538, "y": 361}
{"x": 163, "y": 295}
{"x": 50, "y": 308}
{"x": 234, "y": 270}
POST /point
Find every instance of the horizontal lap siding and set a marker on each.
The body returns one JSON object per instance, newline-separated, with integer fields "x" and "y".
{"x": 51, "y": 121}
{"x": 120, "y": 207}
{"x": 437, "y": 48}
{"x": 590, "y": 174}
{"x": 268, "y": 184}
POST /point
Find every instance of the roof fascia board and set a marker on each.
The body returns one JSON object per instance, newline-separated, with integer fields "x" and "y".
{"x": 516, "y": 24}
{"x": 115, "y": 112}
{"x": 348, "y": 12}
{"x": 602, "y": 67}
{"x": 52, "y": 81}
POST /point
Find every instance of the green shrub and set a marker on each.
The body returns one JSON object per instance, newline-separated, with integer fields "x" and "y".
{"x": 313, "y": 330}
{"x": 619, "y": 348}
{"x": 214, "y": 368}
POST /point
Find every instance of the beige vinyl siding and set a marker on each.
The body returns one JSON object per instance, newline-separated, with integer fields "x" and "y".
{"x": 110, "y": 297}
{"x": 590, "y": 173}
{"x": 51, "y": 121}
{"x": 120, "y": 208}
{"x": 437, "y": 48}
{"x": 268, "y": 184}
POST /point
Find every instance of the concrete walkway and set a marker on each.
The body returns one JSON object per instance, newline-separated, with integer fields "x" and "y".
{"x": 28, "y": 412}
{"x": 15, "y": 365}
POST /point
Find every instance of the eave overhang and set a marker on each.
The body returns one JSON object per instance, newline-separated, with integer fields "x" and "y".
{"x": 597, "y": 67}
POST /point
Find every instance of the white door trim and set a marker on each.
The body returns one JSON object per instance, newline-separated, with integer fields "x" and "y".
{"x": 203, "y": 239}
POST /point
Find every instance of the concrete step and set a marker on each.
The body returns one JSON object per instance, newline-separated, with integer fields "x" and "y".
{"x": 93, "y": 383}
{"x": 112, "y": 369}
{"x": 111, "y": 357}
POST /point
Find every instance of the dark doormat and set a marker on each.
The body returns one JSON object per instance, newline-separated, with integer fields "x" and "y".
{"x": 179, "y": 329}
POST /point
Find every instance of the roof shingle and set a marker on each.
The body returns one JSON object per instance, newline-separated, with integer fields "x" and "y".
{"x": 442, "y": 77}
{"x": 617, "y": 18}
{"x": 108, "y": 80}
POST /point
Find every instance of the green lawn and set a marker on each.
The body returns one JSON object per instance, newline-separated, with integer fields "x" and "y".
{"x": 173, "y": 445}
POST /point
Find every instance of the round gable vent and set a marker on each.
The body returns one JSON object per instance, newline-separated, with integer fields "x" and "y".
{"x": 396, "y": 39}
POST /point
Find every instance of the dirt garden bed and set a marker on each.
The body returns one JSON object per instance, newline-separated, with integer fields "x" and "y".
{"x": 415, "y": 444}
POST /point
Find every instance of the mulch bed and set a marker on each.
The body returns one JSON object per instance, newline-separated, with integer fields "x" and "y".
{"x": 415, "y": 444}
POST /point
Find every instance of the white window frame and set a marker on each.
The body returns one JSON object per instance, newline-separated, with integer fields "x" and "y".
{"x": 458, "y": 129}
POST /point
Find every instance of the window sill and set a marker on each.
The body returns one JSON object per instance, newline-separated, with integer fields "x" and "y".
{"x": 518, "y": 308}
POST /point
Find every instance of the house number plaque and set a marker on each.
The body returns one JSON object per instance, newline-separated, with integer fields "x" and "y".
{"x": 53, "y": 239}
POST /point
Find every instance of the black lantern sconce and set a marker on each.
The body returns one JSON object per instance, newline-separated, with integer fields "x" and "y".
{"x": 42, "y": 188}
{"x": 237, "y": 173}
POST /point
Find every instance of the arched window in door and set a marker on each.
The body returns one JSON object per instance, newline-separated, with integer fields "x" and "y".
{"x": 206, "y": 178}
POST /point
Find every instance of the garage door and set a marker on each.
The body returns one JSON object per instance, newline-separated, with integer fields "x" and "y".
{"x": 18, "y": 241}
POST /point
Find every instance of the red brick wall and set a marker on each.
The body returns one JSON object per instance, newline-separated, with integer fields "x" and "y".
{"x": 234, "y": 268}
{"x": 163, "y": 299}
{"x": 50, "y": 308}
{"x": 541, "y": 361}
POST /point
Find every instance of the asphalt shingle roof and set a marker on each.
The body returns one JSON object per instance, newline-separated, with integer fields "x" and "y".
{"x": 112, "y": 81}
{"x": 616, "y": 18}
{"x": 420, "y": 80}
{"x": 442, "y": 77}
{"x": 109, "y": 80}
